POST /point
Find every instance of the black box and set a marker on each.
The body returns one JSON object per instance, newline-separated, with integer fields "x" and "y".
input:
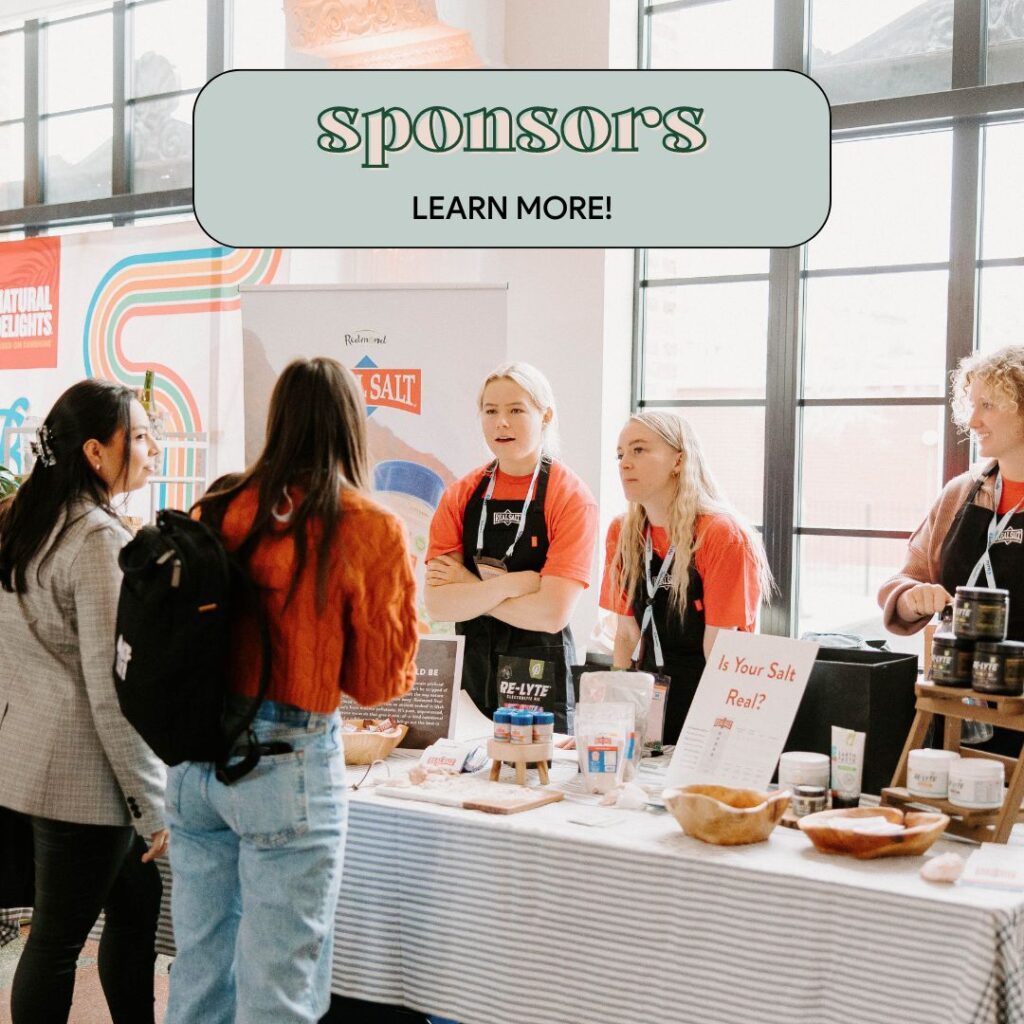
{"x": 869, "y": 691}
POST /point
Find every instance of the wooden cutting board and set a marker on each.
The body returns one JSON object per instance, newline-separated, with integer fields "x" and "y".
{"x": 474, "y": 794}
{"x": 541, "y": 798}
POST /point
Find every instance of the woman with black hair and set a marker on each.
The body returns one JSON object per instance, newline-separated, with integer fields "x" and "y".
{"x": 69, "y": 760}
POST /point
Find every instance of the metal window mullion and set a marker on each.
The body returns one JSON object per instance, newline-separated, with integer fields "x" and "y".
{"x": 170, "y": 200}
{"x": 639, "y": 304}
{"x": 870, "y": 401}
{"x": 120, "y": 179}
{"x": 839, "y": 532}
{"x": 782, "y": 372}
{"x": 686, "y": 282}
{"x": 703, "y": 403}
{"x": 869, "y": 271}
{"x": 789, "y": 48}
{"x": 968, "y": 43}
{"x": 215, "y": 35}
{"x": 677, "y": 5}
{"x": 32, "y": 190}
{"x": 1005, "y": 261}
{"x": 643, "y": 35}
{"x": 970, "y": 101}
{"x": 963, "y": 275}
{"x": 780, "y": 434}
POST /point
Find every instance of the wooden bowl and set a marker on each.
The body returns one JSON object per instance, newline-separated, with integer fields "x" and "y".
{"x": 367, "y": 747}
{"x": 922, "y": 829}
{"x": 724, "y": 816}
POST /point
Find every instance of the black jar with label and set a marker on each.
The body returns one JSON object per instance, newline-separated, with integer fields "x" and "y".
{"x": 951, "y": 660}
{"x": 980, "y": 613}
{"x": 999, "y": 668}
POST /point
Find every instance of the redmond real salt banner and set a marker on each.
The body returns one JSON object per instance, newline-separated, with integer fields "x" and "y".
{"x": 420, "y": 354}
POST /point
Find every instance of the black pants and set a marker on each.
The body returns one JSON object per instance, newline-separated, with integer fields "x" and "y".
{"x": 81, "y": 869}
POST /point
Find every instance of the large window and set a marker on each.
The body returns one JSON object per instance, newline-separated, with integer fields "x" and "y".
{"x": 96, "y": 105}
{"x": 817, "y": 377}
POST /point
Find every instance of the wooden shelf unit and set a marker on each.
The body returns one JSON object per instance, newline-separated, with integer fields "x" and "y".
{"x": 990, "y": 826}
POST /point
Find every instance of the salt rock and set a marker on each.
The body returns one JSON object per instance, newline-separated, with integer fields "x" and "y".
{"x": 628, "y": 795}
{"x": 944, "y": 868}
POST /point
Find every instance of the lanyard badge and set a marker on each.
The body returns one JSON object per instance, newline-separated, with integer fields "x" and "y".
{"x": 652, "y": 589}
{"x": 489, "y": 567}
{"x": 995, "y": 529}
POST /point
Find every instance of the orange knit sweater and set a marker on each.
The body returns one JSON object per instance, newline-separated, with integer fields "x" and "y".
{"x": 364, "y": 639}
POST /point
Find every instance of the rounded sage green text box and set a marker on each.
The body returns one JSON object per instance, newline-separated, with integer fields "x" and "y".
{"x": 511, "y": 158}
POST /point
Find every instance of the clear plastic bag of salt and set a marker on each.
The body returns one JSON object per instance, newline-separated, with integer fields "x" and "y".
{"x": 603, "y": 734}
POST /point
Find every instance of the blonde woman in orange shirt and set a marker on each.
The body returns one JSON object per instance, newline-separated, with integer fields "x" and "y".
{"x": 257, "y": 865}
{"x": 680, "y": 564}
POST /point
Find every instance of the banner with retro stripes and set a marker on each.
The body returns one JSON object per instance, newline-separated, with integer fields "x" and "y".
{"x": 201, "y": 280}
{"x": 158, "y": 297}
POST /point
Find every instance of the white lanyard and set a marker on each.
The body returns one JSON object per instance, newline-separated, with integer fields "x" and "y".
{"x": 522, "y": 517}
{"x": 995, "y": 529}
{"x": 652, "y": 589}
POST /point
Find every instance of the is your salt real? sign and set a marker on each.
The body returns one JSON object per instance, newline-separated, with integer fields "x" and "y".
{"x": 743, "y": 711}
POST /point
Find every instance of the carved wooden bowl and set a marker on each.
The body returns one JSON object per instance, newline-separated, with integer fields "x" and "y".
{"x": 921, "y": 830}
{"x": 724, "y": 816}
{"x": 367, "y": 747}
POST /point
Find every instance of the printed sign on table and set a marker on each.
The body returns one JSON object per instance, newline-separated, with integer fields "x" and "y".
{"x": 429, "y": 707}
{"x": 742, "y": 712}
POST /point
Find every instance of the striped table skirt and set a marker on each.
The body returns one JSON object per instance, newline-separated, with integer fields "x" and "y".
{"x": 538, "y": 919}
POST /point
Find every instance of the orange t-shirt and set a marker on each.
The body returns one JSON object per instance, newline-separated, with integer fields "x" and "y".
{"x": 570, "y": 515}
{"x": 727, "y": 567}
{"x": 1013, "y": 494}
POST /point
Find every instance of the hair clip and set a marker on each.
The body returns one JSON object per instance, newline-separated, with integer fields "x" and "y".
{"x": 42, "y": 446}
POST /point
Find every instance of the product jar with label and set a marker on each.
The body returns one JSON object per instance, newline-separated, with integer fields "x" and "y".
{"x": 951, "y": 660}
{"x": 999, "y": 668}
{"x": 928, "y": 772}
{"x": 980, "y": 613}
{"x": 976, "y": 783}
{"x": 503, "y": 725}
{"x": 803, "y": 768}
{"x": 808, "y": 800}
{"x": 521, "y": 727}
{"x": 543, "y": 726}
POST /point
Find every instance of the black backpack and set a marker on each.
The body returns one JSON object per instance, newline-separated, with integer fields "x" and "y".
{"x": 179, "y": 589}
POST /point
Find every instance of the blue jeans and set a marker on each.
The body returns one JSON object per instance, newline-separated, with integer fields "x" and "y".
{"x": 256, "y": 870}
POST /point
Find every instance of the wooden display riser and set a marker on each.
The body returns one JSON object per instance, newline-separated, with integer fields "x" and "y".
{"x": 1007, "y": 713}
{"x": 519, "y": 755}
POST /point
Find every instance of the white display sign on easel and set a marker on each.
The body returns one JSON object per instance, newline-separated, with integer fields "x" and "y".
{"x": 742, "y": 712}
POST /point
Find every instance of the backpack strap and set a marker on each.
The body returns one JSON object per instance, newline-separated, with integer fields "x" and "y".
{"x": 254, "y": 750}
{"x": 242, "y": 584}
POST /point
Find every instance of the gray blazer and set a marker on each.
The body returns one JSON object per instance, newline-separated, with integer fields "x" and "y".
{"x": 66, "y": 751}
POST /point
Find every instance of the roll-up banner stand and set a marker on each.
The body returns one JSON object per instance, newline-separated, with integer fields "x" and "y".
{"x": 420, "y": 353}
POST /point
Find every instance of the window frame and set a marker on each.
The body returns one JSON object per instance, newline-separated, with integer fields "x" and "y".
{"x": 966, "y": 108}
{"x": 122, "y": 205}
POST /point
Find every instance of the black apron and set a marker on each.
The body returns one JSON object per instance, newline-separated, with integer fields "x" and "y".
{"x": 490, "y": 641}
{"x": 964, "y": 545}
{"x": 682, "y": 642}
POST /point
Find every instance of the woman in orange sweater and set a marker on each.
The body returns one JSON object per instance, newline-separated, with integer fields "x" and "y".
{"x": 257, "y": 864}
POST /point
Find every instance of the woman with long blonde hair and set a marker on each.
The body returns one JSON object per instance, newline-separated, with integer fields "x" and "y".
{"x": 680, "y": 564}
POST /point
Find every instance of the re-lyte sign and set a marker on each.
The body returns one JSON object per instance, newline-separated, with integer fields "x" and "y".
{"x": 512, "y": 158}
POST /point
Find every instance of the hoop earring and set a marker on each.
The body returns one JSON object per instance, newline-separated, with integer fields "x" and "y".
{"x": 283, "y": 517}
